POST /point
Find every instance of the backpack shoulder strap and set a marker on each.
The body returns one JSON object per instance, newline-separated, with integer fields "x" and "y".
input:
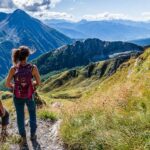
{"x": 32, "y": 67}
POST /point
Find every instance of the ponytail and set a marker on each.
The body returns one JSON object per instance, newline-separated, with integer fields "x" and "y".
{"x": 20, "y": 54}
{"x": 15, "y": 56}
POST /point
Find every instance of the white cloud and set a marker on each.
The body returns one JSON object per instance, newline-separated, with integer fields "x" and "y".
{"x": 28, "y": 5}
{"x": 37, "y": 8}
{"x": 146, "y": 15}
{"x": 6, "y": 10}
{"x": 42, "y": 9}
{"x": 35, "y": 5}
{"x": 105, "y": 16}
{"x": 52, "y": 15}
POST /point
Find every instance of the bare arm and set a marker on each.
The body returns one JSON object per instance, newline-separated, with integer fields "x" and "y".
{"x": 9, "y": 78}
{"x": 2, "y": 109}
{"x": 1, "y": 105}
{"x": 36, "y": 75}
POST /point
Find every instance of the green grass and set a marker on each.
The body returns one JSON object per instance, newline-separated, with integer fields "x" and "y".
{"x": 100, "y": 130}
{"x": 12, "y": 139}
{"x": 81, "y": 78}
{"x": 115, "y": 113}
{"x": 47, "y": 115}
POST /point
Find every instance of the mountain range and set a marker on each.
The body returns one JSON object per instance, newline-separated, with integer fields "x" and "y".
{"x": 142, "y": 42}
{"x": 111, "y": 30}
{"x": 82, "y": 53}
{"x": 18, "y": 28}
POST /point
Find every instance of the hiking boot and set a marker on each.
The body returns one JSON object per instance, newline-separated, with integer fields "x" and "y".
{"x": 23, "y": 142}
{"x": 33, "y": 137}
{"x": 4, "y": 135}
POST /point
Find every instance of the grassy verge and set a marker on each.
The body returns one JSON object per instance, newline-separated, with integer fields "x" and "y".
{"x": 115, "y": 115}
{"x": 99, "y": 129}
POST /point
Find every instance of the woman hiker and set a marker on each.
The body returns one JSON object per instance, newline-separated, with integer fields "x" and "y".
{"x": 23, "y": 77}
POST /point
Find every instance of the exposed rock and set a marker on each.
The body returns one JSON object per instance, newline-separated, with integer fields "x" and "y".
{"x": 57, "y": 104}
{"x": 47, "y": 136}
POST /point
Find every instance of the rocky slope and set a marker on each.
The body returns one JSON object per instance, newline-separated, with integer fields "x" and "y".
{"x": 64, "y": 85}
{"x": 82, "y": 53}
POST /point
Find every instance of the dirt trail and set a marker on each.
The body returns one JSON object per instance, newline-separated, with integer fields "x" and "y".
{"x": 47, "y": 136}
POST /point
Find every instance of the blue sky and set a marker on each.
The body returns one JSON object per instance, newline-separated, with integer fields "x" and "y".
{"x": 82, "y": 9}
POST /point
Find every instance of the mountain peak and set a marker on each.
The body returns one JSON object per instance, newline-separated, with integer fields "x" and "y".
{"x": 20, "y": 14}
{"x": 18, "y": 17}
{"x": 19, "y": 11}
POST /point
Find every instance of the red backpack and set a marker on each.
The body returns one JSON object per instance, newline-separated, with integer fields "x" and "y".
{"x": 23, "y": 81}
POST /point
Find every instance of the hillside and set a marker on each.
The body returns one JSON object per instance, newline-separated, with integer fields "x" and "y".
{"x": 18, "y": 28}
{"x": 113, "y": 113}
{"x": 82, "y": 53}
{"x": 104, "y": 105}
{"x": 110, "y": 30}
{"x": 82, "y": 77}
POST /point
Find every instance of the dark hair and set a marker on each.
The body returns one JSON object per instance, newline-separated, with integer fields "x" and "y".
{"x": 20, "y": 54}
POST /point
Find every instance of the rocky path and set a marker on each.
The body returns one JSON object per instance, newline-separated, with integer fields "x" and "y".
{"x": 47, "y": 136}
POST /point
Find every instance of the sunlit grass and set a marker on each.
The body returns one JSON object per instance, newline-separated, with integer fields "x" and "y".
{"x": 115, "y": 114}
{"x": 45, "y": 114}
